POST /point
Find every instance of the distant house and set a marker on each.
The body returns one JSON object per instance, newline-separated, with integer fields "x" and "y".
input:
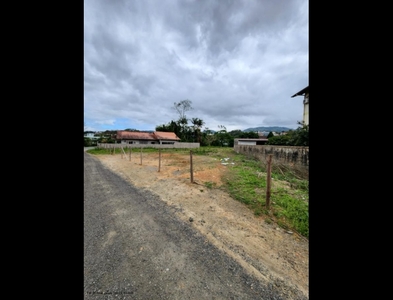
{"x": 90, "y": 134}
{"x": 279, "y": 133}
{"x": 250, "y": 142}
{"x": 304, "y": 92}
{"x": 139, "y": 137}
{"x": 263, "y": 134}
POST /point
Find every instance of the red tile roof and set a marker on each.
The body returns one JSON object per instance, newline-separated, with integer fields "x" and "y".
{"x": 137, "y": 135}
{"x": 161, "y": 135}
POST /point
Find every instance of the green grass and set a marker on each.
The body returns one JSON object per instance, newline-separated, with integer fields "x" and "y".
{"x": 246, "y": 182}
{"x": 210, "y": 184}
{"x": 97, "y": 151}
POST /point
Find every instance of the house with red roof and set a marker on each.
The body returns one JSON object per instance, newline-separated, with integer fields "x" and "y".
{"x": 139, "y": 137}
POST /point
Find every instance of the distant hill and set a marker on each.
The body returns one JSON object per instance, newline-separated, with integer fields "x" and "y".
{"x": 268, "y": 129}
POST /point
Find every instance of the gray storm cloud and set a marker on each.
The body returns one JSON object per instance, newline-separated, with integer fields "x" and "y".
{"x": 239, "y": 62}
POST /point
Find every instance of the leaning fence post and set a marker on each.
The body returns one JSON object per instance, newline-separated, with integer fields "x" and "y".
{"x": 122, "y": 152}
{"x": 191, "y": 171}
{"x": 268, "y": 180}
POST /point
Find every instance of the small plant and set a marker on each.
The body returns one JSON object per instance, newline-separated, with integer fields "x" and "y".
{"x": 258, "y": 212}
{"x": 210, "y": 184}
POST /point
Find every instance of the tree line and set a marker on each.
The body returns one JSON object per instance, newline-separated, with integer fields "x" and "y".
{"x": 195, "y": 132}
{"x": 207, "y": 137}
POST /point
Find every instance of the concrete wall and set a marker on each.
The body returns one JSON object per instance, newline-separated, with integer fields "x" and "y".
{"x": 138, "y": 146}
{"x": 305, "y": 109}
{"x": 294, "y": 157}
{"x": 247, "y": 141}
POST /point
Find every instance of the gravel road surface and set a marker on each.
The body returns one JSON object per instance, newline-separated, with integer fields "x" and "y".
{"x": 136, "y": 248}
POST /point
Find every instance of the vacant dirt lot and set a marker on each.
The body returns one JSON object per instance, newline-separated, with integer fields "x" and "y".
{"x": 263, "y": 249}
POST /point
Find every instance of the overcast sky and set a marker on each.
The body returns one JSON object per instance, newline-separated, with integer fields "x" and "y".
{"x": 237, "y": 61}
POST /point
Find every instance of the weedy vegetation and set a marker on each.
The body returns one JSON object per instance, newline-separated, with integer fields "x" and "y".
{"x": 246, "y": 181}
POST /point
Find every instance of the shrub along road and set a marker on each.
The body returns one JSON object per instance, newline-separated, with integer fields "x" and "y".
{"x": 136, "y": 248}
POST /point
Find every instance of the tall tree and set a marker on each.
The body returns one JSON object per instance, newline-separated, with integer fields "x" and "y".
{"x": 182, "y": 123}
{"x": 197, "y": 125}
{"x": 182, "y": 107}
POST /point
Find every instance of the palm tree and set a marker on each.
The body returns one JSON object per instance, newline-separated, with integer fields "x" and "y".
{"x": 182, "y": 124}
{"x": 197, "y": 125}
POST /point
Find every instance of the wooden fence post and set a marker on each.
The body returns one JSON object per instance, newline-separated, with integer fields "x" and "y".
{"x": 159, "y": 160}
{"x": 122, "y": 152}
{"x": 141, "y": 155}
{"x": 191, "y": 171}
{"x": 268, "y": 181}
{"x": 129, "y": 154}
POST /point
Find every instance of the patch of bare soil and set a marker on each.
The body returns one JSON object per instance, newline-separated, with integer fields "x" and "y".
{"x": 265, "y": 250}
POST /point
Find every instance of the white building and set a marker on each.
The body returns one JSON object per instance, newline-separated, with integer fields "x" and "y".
{"x": 304, "y": 92}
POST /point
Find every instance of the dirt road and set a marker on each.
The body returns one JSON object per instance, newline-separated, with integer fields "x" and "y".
{"x": 142, "y": 244}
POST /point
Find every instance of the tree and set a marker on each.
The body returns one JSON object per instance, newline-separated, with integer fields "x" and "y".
{"x": 182, "y": 123}
{"x": 197, "y": 125}
{"x": 207, "y": 137}
{"x": 297, "y": 137}
{"x": 282, "y": 140}
{"x": 182, "y": 107}
{"x": 240, "y": 134}
{"x": 170, "y": 127}
{"x": 222, "y": 138}
{"x": 87, "y": 142}
{"x": 300, "y": 136}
